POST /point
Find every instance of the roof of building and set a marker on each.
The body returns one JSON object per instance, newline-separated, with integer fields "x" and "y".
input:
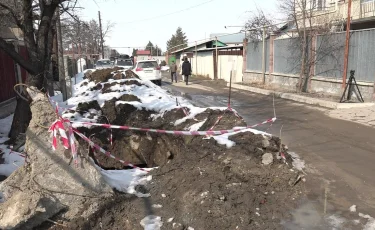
{"x": 229, "y": 38}
{"x": 143, "y": 52}
{"x": 212, "y": 42}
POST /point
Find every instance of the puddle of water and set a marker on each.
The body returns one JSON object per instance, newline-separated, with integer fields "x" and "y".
{"x": 309, "y": 216}
{"x": 306, "y": 216}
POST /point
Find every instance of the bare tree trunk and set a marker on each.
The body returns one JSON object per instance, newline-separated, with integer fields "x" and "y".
{"x": 303, "y": 47}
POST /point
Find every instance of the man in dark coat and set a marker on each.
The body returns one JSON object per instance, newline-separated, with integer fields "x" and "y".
{"x": 186, "y": 69}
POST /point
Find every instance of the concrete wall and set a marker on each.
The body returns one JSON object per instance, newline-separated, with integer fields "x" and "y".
{"x": 318, "y": 84}
{"x": 226, "y": 64}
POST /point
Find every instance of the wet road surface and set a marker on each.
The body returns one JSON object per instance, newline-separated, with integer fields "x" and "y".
{"x": 340, "y": 155}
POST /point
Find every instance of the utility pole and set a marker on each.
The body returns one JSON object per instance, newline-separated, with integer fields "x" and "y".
{"x": 61, "y": 57}
{"x": 347, "y": 40}
{"x": 101, "y": 35}
{"x": 217, "y": 61}
{"x": 264, "y": 56}
{"x": 196, "y": 59}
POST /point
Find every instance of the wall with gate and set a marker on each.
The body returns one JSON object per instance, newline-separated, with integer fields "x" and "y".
{"x": 227, "y": 63}
{"x": 203, "y": 64}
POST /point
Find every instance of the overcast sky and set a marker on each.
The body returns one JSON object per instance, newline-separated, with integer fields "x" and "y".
{"x": 140, "y": 21}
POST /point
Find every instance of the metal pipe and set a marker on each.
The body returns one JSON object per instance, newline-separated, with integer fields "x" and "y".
{"x": 347, "y": 40}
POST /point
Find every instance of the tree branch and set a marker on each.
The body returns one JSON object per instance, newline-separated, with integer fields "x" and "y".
{"x": 9, "y": 49}
{"x": 16, "y": 19}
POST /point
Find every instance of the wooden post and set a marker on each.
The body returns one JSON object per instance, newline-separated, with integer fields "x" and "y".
{"x": 347, "y": 40}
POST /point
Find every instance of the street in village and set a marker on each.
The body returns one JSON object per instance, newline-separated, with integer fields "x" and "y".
{"x": 339, "y": 154}
{"x": 274, "y": 128}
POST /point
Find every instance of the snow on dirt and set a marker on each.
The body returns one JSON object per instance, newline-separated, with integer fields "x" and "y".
{"x": 151, "y": 222}
{"x": 298, "y": 163}
{"x": 196, "y": 182}
{"x": 126, "y": 180}
{"x": 370, "y": 225}
{"x": 353, "y": 208}
{"x": 223, "y": 139}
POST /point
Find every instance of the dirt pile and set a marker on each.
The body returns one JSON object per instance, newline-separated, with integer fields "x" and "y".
{"x": 199, "y": 183}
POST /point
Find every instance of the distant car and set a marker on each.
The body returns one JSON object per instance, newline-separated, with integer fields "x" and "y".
{"x": 103, "y": 64}
{"x": 149, "y": 70}
{"x": 124, "y": 63}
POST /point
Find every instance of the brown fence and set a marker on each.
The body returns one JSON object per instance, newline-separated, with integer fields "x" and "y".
{"x": 8, "y": 74}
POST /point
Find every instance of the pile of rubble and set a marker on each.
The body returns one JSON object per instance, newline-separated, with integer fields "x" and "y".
{"x": 240, "y": 179}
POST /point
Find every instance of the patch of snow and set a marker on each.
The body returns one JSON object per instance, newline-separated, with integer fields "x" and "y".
{"x": 204, "y": 194}
{"x": 353, "y": 208}
{"x": 297, "y": 162}
{"x": 194, "y": 111}
{"x": 196, "y": 126}
{"x": 370, "y": 225}
{"x": 151, "y": 222}
{"x": 163, "y": 195}
{"x": 257, "y": 213}
{"x": 224, "y": 138}
{"x": 126, "y": 180}
{"x": 170, "y": 219}
{"x": 5, "y": 125}
{"x": 157, "y": 206}
{"x": 190, "y": 228}
{"x": 12, "y": 160}
{"x": 335, "y": 221}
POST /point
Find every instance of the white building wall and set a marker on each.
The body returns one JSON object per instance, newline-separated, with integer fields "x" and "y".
{"x": 203, "y": 65}
{"x": 228, "y": 63}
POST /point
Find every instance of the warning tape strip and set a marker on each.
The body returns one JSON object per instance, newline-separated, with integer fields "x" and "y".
{"x": 176, "y": 132}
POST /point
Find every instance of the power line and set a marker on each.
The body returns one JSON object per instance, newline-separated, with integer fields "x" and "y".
{"x": 165, "y": 15}
{"x": 96, "y": 3}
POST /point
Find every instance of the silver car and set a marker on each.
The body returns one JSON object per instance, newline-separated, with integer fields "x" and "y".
{"x": 103, "y": 64}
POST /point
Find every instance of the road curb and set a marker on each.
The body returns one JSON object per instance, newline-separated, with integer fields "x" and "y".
{"x": 303, "y": 99}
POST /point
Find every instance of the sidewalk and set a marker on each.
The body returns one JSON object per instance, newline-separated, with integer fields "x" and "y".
{"x": 300, "y": 98}
{"x": 8, "y": 107}
{"x": 364, "y": 116}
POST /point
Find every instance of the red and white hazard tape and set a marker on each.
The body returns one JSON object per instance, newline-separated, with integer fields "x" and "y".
{"x": 175, "y": 132}
{"x": 67, "y": 140}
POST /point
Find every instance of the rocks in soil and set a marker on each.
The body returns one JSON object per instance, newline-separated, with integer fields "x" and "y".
{"x": 267, "y": 158}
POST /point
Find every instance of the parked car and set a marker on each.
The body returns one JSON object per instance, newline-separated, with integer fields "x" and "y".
{"x": 149, "y": 70}
{"x": 103, "y": 63}
{"x": 124, "y": 63}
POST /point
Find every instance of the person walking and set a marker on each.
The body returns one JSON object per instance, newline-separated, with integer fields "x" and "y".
{"x": 181, "y": 62}
{"x": 174, "y": 71}
{"x": 186, "y": 70}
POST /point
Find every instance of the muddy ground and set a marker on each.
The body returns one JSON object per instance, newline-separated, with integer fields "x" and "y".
{"x": 198, "y": 183}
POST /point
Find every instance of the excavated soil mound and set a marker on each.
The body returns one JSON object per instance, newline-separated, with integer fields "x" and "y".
{"x": 208, "y": 187}
{"x": 199, "y": 183}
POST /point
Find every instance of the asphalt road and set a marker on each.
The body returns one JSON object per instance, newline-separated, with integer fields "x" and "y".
{"x": 340, "y": 155}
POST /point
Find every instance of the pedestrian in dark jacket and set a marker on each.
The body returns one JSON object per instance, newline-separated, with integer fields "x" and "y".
{"x": 186, "y": 70}
{"x": 174, "y": 71}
